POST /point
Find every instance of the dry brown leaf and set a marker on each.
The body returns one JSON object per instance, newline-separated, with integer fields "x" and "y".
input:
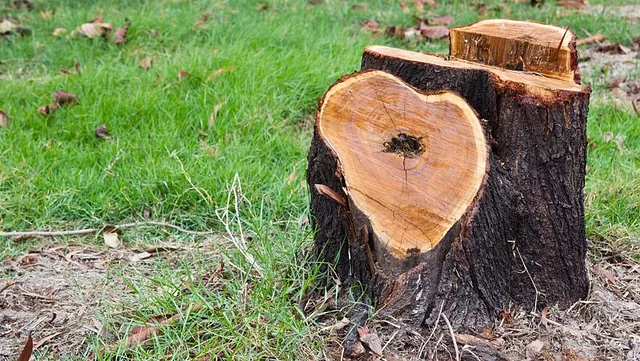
{"x": 573, "y": 4}
{"x": 46, "y": 15}
{"x": 153, "y": 33}
{"x": 326, "y": 191}
{"x": 59, "y": 31}
{"x": 111, "y": 239}
{"x": 507, "y": 316}
{"x": 605, "y": 273}
{"x": 93, "y": 29}
{"x": 262, "y": 7}
{"x": 291, "y": 178}
{"x": 203, "y": 19}
{"x": 47, "y": 109}
{"x": 598, "y": 38}
{"x": 543, "y": 316}
{"x": 27, "y": 350}
{"x": 615, "y": 82}
{"x": 63, "y": 98}
{"x": 434, "y": 32}
{"x": 4, "y": 119}
{"x": 336, "y": 326}
{"x": 102, "y": 132}
{"x": 183, "y": 74}
{"x": 8, "y": 27}
{"x": 206, "y": 148}
{"x": 140, "y": 256}
{"x": 216, "y": 109}
{"x": 371, "y": 25}
{"x": 535, "y": 346}
{"x": 143, "y": 333}
{"x": 607, "y": 136}
{"x": 442, "y": 20}
{"x": 613, "y": 49}
{"x": 370, "y": 340}
{"x": 121, "y": 33}
{"x": 146, "y": 63}
{"x": 219, "y": 72}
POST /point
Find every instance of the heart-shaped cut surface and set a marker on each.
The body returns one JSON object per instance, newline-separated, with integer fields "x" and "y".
{"x": 413, "y": 163}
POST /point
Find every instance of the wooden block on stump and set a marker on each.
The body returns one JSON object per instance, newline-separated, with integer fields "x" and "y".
{"x": 456, "y": 184}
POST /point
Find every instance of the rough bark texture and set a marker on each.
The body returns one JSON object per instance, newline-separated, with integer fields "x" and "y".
{"x": 522, "y": 245}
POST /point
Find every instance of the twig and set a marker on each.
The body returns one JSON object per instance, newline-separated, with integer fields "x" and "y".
{"x": 76, "y": 232}
{"x": 453, "y": 337}
{"x": 548, "y": 320}
{"x": 535, "y": 303}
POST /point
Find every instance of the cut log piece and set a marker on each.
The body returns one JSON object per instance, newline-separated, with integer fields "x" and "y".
{"x": 456, "y": 187}
{"x": 518, "y": 45}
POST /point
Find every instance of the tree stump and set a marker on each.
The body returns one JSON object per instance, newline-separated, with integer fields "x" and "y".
{"x": 455, "y": 185}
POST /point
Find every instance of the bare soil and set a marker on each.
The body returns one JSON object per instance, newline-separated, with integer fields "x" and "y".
{"x": 61, "y": 294}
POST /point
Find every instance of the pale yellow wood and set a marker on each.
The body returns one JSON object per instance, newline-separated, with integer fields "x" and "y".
{"x": 411, "y": 200}
{"x": 540, "y": 86}
{"x": 517, "y": 45}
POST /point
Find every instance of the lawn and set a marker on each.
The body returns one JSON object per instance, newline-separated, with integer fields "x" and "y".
{"x": 227, "y": 140}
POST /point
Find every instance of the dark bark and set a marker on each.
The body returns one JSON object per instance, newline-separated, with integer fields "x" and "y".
{"x": 524, "y": 242}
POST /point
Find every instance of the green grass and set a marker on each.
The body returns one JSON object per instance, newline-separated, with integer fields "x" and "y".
{"x": 165, "y": 158}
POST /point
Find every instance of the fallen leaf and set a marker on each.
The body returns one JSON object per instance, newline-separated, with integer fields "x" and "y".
{"x": 111, "y": 239}
{"x": 598, "y": 38}
{"x": 359, "y": 7}
{"x": 292, "y": 177}
{"x": 605, "y": 273}
{"x": 183, "y": 74}
{"x": 63, "y": 98}
{"x": 140, "y": 256}
{"x": 143, "y": 333}
{"x": 93, "y": 29}
{"x": 507, "y": 316}
{"x": 27, "y": 350}
{"x": 219, "y": 72}
{"x": 152, "y": 33}
{"x": 357, "y": 350}
{"x": 8, "y": 27}
{"x": 613, "y": 49}
{"x": 4, "y": 119}
{"x": 434, "y": 32}
{"x": 203, "y": 19}
{"x": 121, "y": 33}
{"x": 216, "y": 109}
{"x": 324, "y": 190}
{"x": 336, "y": 326}
{"x": 607, "y": 136}
{"x": 535, "y": 346}
{"x": 59, "y": 32}
{"x": 442, "y": 20}
{"x": 616, "y": 82}
{"x": 262, "y": 7}
{"x": 573, "y": 4}
{"x": 370, "y": 340}
{"x": 47, "y": 109}
{"x": 146, "y": 63}
{"x": 543, "y": 316}
{"x": 371, "y": 25}
{"x": 102, "y": 132}
{"x": 46, "y": 15}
